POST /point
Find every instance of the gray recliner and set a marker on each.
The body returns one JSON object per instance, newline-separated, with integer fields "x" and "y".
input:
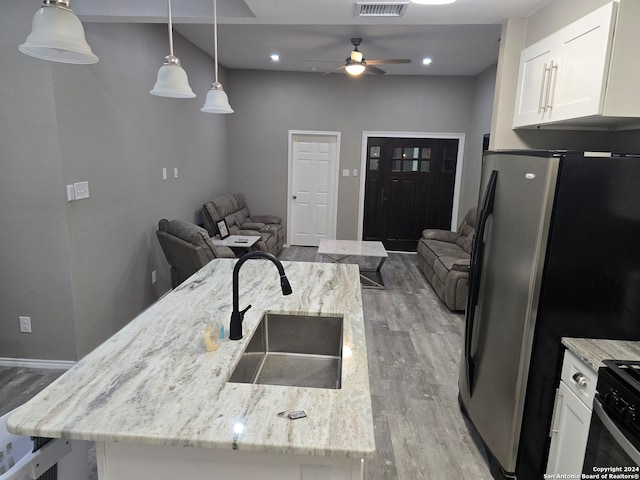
{"x": 188, "y": 248}
{"x": 234, "y": 210}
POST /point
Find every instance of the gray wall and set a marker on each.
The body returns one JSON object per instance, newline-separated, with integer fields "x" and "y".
{"x": 481, "y": 112}
{"x": 35, "y": 272}
{"x": 82, "y": 270}
{"x": 269, "y": 104}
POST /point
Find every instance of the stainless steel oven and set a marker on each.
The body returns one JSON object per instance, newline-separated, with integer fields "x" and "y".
{"x": 613, "y": 444}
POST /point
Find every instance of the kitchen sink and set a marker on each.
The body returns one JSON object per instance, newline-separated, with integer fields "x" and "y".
{"x": 293, "y": 350}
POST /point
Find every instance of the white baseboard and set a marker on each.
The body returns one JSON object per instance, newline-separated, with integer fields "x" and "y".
{"x": 36, "y": 363}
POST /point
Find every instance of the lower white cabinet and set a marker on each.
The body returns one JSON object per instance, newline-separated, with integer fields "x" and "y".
{"x": 572, "y": 416}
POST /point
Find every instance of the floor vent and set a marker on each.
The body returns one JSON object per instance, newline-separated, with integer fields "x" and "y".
{"x": 381, "y": 9}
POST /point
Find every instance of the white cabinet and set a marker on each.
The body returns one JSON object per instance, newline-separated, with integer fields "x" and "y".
{"x": 572, "y": 416}
{"x": 582, "y": 75}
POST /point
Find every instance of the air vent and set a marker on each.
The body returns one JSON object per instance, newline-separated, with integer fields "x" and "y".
{"x": 381, "y": 9}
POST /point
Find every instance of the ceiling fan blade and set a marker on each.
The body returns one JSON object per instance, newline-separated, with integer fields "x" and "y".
{"x": 390, "y": 61}
{"x": 376, "y": 70}
{"x": 335, "y": 70}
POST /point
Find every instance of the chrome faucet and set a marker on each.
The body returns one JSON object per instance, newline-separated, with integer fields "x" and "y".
{"x": 237, "y": 316}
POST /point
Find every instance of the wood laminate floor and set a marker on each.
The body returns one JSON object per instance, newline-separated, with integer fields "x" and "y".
{"x": 414, "y": 345}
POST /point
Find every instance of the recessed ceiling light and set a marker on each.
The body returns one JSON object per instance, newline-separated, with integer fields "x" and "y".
{"x": 275, "y": 57}
{"x": 433, "y": 2}
{"x": 426, "y": 61}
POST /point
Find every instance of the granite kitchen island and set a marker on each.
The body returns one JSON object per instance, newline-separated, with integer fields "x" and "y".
{"x": 158, "y": 405}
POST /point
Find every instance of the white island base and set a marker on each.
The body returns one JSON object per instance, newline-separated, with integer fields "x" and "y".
{"x": 120, "y": 461}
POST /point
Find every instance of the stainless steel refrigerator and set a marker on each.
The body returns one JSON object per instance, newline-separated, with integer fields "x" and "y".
{"x": 556, "y": 253}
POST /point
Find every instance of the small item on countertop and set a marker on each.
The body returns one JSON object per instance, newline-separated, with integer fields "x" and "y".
{"x": 293, "y": 415}
{"x": 212, "y": 337}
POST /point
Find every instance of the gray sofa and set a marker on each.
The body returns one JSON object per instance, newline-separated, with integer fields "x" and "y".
{"x": 188, "y": 248}
{"x": 444, "y": 259}
{"x": 234, "y": 210}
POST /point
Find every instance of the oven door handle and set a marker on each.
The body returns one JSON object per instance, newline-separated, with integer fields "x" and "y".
{"x": 615, "y": 432}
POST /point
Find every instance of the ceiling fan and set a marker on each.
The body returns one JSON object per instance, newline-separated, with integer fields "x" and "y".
{"x": 356, "y": 64}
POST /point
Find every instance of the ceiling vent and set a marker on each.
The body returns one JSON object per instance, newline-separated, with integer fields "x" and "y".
{"x": 381, "y": 9}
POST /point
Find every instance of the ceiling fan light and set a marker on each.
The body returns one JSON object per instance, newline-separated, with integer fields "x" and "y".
{"x": 356, "y": 56}
{"x": 172, "y": 80}
{"x": 354, "y": 68}
{"x": 216, "y": 100}
{"x": 57, "y": 35}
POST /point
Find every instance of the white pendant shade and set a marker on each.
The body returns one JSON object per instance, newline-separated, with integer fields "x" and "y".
{"x": 216, "y": 101}
{"x": 57, "y": 35}
{"x": 172, "y": 80}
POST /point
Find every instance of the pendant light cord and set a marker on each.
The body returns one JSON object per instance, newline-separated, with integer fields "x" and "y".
{"x": 215, "y": 36}
{"x": 170, "y": 29}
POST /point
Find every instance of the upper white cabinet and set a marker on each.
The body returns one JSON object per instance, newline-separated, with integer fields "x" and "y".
{"x": 583, "y": 74}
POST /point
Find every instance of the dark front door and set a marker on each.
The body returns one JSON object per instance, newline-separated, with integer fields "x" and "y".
{"x": 409, "y": 187}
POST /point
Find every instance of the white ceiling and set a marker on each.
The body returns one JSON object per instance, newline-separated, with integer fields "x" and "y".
{"x": 313, "y": 35}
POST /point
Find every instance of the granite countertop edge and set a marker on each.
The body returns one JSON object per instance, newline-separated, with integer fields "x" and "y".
{"x": 594, "y": 351}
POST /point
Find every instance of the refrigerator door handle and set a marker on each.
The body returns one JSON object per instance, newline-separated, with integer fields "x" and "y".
{"x": 474, "y": 275}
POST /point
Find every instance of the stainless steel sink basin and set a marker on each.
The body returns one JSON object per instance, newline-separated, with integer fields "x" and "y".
{"x": 293, "y": 350}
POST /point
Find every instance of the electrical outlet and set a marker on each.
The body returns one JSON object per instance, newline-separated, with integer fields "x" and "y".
{"x": 153, "y": 276}
{"x": 25, "y": 324}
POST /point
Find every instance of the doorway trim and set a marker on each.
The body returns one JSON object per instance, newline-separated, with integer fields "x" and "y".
{"x": 363, "y": 168}
{"x": 336, "y": 177}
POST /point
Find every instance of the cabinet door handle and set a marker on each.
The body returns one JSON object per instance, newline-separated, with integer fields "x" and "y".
{"x": 580, "y": 379}
{"x": 543, "y": 83}
{"x": 557, "y": 401}
{"x": 549, "y": 96}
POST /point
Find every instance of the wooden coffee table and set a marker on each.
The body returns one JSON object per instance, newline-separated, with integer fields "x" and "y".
{"x": 339, "y": 250}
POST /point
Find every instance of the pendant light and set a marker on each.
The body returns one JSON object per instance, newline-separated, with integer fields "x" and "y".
{"x": 217, "y": 100}
{"x": 57, "y": 35}
{"x": 172, "y": 80}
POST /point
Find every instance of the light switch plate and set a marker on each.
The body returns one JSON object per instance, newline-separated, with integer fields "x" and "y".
{"x": 81, "y": 190}
{"x": 175, "y": 172}
{"x": 164, "y": 173}
{"x": 355, "y": 172}
{"x": 345, "y": 172}
{"x": 71, "y": 193}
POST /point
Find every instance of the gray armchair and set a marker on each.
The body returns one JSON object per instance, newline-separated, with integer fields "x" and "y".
{"x": 188, "y": 248}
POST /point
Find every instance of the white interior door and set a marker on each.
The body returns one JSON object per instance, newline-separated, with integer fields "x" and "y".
{"x": 313, "y": 178}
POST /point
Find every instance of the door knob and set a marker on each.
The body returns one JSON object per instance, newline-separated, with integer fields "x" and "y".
{"x": 294, "y": 197}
